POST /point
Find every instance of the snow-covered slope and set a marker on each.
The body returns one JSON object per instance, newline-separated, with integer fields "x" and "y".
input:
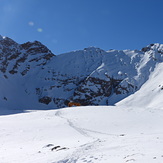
{"x": 98, "y": 134}
{"x": 34, "y": 78}
{"x": 151, "y": 93}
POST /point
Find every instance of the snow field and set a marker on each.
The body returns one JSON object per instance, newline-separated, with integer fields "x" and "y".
{"x": 84, "y": 134}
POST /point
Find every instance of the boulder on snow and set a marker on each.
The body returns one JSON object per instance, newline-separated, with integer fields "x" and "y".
{"x": 45, "y": 100}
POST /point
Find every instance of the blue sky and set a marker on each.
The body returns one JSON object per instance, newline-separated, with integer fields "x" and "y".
{"x": 67, "y": 25}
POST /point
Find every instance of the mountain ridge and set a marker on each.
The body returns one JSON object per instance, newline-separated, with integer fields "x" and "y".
{"x": 32, "y": 77}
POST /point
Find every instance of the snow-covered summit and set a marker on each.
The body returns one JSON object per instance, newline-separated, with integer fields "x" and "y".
{"x": 156, "y": 47}
{"x": 94, "y": 49}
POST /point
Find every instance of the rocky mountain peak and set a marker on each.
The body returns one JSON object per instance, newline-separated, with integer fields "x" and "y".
{"x": 14, "y": 56}
{"x": 7, "y": 42}
{"x": 35, "y": 48}
{"x": 155, "y": 47}
{"x": 93, "y": 49}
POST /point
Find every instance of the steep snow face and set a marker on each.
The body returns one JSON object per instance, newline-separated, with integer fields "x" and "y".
{"x": 151, "y": 93}
{"x": 32, "y": 77}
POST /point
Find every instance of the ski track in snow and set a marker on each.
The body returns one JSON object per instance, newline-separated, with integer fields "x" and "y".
{"x": 77, "y": 155}
{"x": 81, "y": 131}
{"x": 86, "y": 152}
{"x": 118, "y": 145}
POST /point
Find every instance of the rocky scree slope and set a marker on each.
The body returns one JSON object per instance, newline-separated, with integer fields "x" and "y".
{"x": 32, "y": 77}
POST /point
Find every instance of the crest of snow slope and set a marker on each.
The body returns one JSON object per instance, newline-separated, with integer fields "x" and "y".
{"x": 150, "y": 94}
{"x": 84, "y": 135}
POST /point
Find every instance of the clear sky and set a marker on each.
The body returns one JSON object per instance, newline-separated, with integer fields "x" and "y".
{"x": 67, "y": 25}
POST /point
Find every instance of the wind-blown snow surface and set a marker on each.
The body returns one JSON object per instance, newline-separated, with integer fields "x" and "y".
{"x": 96, "y": 134}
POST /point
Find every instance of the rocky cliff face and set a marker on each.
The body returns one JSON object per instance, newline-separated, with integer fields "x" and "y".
{"x": 32, "y": 77}
{"x": 14, "y": 57}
